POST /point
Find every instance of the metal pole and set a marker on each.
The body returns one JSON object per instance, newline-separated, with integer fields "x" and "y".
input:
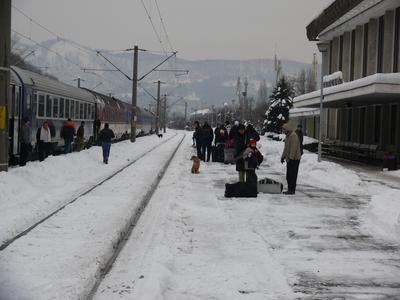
{"x": 5, "y": 40}
{"x": 134, "y": 93}
{"x": 158, "y": 107}
{"x": 185, "y": 112}
{"x": 321, "y": 113}
{"x": 165, "y": 113}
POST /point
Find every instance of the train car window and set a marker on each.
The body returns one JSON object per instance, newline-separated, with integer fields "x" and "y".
{"x": 67, "y": 114}
{"x": 77, "y": 116}
{"x": 41, "y": 106}
{"x": 89, "y": 111}
{"x": 72, "y": 113}
{"x": 49, "y": 107}
{"x": 55, "y": 107}
{"x": 34, "y": 105}
{"x": 85, "y": 111}
{"x": 61, "y": 111}
{"x": 82, "y": 112}
{"x": 93, "y": 112}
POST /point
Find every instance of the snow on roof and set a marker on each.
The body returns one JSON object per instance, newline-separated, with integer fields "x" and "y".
{"x": 389, "y": 79}
{"x": 201, "y": 112}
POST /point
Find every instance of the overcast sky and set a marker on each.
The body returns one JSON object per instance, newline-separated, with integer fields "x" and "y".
{"x": 198, "y": 29}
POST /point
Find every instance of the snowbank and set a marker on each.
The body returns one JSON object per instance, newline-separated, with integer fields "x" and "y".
{"x": 383, "y": 217}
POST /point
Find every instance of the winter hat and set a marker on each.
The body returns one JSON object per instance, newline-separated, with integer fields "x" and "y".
{"x": 288, "y": 127}
{"x": 236, "y": 123}
{"x": 252, "y": 142}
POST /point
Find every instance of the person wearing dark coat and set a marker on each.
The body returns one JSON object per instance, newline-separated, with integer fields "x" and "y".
{"x": 67, "y": 133}
{"x": 105, "y": 137}
{"x": 197, "y": 138}
{"x": 221, "y": 136}
{"x": 252, "y": 159}
{"x": 234, "y": 130}
{"x": 299, "y": 132}
{"x": 239, "y": 144}
{"x": 251, "y": 133}
{"x": 207, "y": 137}
{"x": 26, "y": 138}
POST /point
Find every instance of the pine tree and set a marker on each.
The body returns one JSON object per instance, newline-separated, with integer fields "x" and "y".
{"x": 278, "y": 111}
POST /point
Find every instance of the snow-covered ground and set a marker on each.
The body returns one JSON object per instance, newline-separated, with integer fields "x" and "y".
{"x": 30, "y": 193}
{"x": 337, "y": 238}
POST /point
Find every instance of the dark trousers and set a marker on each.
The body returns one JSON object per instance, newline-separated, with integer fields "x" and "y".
{"x": 44, "y": 150}
{"x": 206, "y": 148}
{"x": 67, "y": 146}
{"x": 25, "y": 148}
{"x": 220, "y": 152}
{"x": 106, "y": 151}
{"x": 292, "y": 169}
{"x": 198, "y": 148}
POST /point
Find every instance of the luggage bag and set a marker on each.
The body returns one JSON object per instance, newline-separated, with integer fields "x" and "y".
{"x": 269, "y": 186}
{"x": 229, "y": 156}
{"x": 241, "y": 190}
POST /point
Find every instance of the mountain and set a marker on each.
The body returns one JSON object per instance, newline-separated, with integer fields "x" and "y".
{"x": 209, "y": 82}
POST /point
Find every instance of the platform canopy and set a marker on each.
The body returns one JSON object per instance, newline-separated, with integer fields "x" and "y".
{"x": 374, "y": 89}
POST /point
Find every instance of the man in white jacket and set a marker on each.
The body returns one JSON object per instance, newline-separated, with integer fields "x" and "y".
{"x": 44, "y": 141}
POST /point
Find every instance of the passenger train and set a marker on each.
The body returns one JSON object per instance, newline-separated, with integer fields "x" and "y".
{"x": 40, "y": 98}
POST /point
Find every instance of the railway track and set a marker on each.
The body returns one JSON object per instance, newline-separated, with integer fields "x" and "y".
{"x": 10, "y": 241}
{"x": 127, "y": 232}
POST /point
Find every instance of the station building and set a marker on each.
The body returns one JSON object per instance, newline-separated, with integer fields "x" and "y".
{"x": 361, "y": 41}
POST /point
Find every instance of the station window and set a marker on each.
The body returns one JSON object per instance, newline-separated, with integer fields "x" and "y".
{"x": 377, "y": 124}
{"x": 41, "y": 106}
{"x": 61, "y": 112}
{"x": 67, "y": 114}
{"x": 55, "y": 107}
{"x": 396, "y": 63}
{"x": 363, "y": 112}
{"x": 72, "y": 109}
{"x": 349, "y": 123}
{"x": 77, "y": 110}
{"x": 49, "y": 107}
{"x": 365, "y": 51}
{"x": 393, "y": 124}
{"x": 381, "y": 35}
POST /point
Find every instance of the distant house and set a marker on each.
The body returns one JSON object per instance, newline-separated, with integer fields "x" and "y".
{"x": 363, "y": 42}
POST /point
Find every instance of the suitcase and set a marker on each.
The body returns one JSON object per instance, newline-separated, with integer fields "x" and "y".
{"x": 229, "y": 156}
{"x": 269, "y": 186}
{"x": 241, "y": 190}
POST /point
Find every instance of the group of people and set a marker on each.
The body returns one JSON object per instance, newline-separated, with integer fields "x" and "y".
{"x": 46, "y": 137}
{"x": 243, "y": 140}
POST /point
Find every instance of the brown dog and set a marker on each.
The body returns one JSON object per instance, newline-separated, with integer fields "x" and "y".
{"x": 196, "y": 164}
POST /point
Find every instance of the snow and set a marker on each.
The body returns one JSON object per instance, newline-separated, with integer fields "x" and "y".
{"x": 334, "y": 76}
{"x": 30, "y": 193}
{"x": 389, "y": 78}
{"x": 339, "y": 235}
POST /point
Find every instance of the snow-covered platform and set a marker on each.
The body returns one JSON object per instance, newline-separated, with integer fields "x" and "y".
{"x": 338, "y": 237}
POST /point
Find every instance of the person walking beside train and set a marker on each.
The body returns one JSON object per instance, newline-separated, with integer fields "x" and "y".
{"x": 67, "y": 133}
{"x": 26, "y": 138}
{"x": 105, "y": 137}
{"x": 80, "y": 137}
{"x": 43, "y": 137}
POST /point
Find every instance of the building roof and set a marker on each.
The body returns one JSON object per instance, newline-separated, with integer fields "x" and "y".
{"x": 329, "y": 15}
{"x": 377, "y": 88}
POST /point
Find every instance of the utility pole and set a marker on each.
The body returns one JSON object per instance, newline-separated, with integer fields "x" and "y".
{"x": 79, "y": 81}
{"x": 5, "y": 40}
{"x": 165, "y": 113}
{"x": 158, "y": 107}
{"x": 185, "y": 112}
{"x": 134, "y": 93}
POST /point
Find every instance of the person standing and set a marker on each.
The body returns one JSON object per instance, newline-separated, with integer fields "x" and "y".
{"x": 221, "y": 136}
{"x": 251, "y": 134}
{"x": 197, "y": 138}
{"x": 80, "y": 137}
{"x": 292, "y": 155}
{"x": 299, "y": 132}
{"x": 67, "y": 133}
{"x": 239, "y": 144}
{"x": 44, "y": 140}
{"x": 105, "y": 137}
{"x": 26, "y": 138}
{"x": 207, "y": 137}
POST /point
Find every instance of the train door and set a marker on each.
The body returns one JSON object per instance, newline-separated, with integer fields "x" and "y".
{"x": 14, "y": 119}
